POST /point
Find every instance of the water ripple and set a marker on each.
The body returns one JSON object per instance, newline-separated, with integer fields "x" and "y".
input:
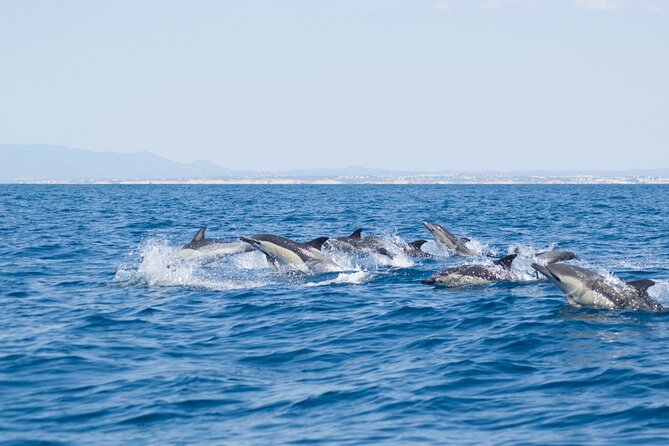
{"x": 101, "y": 343}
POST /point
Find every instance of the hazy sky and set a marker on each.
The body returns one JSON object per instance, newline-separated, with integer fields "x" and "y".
{"x": 398, "y": 84}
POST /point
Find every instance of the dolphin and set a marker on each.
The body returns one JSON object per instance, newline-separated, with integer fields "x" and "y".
{"x": 554, "y": 256}
{"x": 363, "y": 244}
{"x": 457, "y": 246}
{"x": 207, "y": 250}
{"x": 413, "y": 249}
{"x": 585, "y": 288}
{"x": 305, "y": 257}
{"x": 474, "y": 275}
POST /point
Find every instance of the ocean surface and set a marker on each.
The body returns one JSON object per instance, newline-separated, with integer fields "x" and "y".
{"x": 105, "y": 340}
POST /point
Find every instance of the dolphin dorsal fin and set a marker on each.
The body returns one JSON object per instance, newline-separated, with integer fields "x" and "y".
{"x": 318, "y": 242}
{"x": 417, "y": 243}
{"x": 357, "y": 234}
{"x": 200, "y": 234}
{"x": 641, "y": 285}
{"x": 505, "y": 262}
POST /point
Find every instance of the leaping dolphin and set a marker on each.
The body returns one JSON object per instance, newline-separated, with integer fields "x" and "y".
{"x": 413, "y": 249}
{"x": 554, "y": 256}
{"x": 499, "y": 271}
{"x": 305, "y": 257}
{"x": 207, "y": 250}
{"x": 474, "y": 275}
{"x": 364, "y": 244}
{"x": 457, "y": 246}
{"x": 585, "y": 288}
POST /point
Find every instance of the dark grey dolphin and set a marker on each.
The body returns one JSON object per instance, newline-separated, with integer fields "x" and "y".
{"x": 305, "y": 257}
{"x": 554, "y": 256}
{"x": 589, "y": 289}
{"x": 413, "y": 249}
{"x": 474, "y": 275}
{"x": 457, "y": 246}
{"x": 364, "y": 244}
{"x": 207, "y": 250}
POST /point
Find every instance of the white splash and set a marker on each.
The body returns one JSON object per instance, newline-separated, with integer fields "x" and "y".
{"x": 660, "y": 292}
{"x": 354, "y": 278}
{"x": 478, "y": 247}
{"x": 350, "y": 258}
{"x": 522, "y": 264}
{"x": 249, "y": 261}
{"x": 153, "y": 264}
{"x": 436, "y": 249}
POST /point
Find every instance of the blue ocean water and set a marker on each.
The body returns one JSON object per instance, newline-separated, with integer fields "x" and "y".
{"x": 101, "y": 343}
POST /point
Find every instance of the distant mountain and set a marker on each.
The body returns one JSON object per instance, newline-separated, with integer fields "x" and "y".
{"x": 58, "y": 163}
{"x": 46, "y": 162}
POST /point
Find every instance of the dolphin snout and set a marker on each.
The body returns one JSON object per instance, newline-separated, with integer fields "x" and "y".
{"x": 250, "y": 241}
{"x": 429, "y": 281}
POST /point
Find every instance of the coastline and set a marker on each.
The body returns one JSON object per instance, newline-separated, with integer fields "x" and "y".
{"x": 427, "y": 180}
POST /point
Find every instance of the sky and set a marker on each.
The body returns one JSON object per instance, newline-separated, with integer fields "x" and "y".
{"x": 391, "y": 84}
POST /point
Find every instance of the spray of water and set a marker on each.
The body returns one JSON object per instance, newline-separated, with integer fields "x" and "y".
{"x": 156, "y": 262}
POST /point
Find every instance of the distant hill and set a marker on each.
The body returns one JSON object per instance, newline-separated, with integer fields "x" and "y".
{"x": 46, "y": 162}
{"x": 26, "y": 163}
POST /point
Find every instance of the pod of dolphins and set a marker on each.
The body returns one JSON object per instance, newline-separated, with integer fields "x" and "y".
{"x": 583, "y": 288}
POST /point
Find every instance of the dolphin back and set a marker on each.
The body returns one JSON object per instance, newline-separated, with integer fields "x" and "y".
{"x": 549, "y": 257}
{"x": 505, "y": 262}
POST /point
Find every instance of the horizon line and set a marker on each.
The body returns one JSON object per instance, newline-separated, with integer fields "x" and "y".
{"x": 543, "y": 171}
